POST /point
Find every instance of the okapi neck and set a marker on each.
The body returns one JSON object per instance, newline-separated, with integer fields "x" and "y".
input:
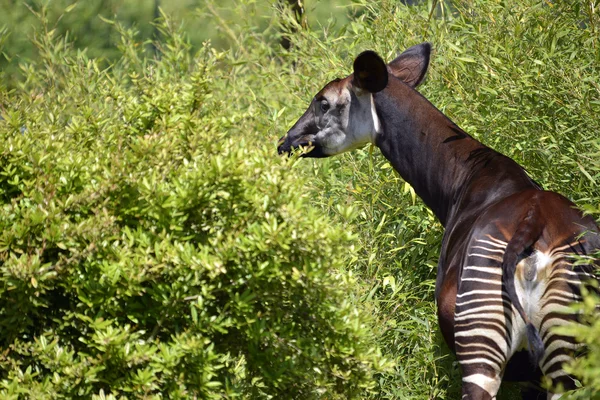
{"x": 427, "y": 149}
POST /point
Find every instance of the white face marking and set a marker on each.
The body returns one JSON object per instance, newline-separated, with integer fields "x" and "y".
{"x": 376, "y": 123}
{"x": 351, "y": 123}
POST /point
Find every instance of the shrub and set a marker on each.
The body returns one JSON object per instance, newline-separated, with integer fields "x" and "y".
{"x": 148, "y": 250}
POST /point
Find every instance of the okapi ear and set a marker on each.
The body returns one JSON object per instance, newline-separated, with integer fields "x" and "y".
{"x": 370, "y": 72}
{"x": 410, "y": 67}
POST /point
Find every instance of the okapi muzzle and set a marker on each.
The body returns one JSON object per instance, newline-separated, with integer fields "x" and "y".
{"x": 506, "y": 272}
{"x": 302, "y": 136}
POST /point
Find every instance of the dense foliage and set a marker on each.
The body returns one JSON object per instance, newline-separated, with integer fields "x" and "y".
{"x": 148, "y": 248}
{"x": 86, "y": 24}
{"x": 152, "y": 243}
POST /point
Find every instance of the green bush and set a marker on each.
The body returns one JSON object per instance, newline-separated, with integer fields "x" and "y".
{"x": 148, "y": 249}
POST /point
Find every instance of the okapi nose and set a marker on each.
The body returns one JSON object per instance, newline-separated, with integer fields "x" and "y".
{"x": 282, "y": 147}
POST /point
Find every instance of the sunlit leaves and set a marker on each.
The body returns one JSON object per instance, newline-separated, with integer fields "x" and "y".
{"x": 148, "y": 250}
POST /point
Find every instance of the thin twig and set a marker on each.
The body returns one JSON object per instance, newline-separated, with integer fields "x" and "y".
{"x": 591, "y": 11}
{"x": 226, "y": 28}
{"x": 433, "y": 6}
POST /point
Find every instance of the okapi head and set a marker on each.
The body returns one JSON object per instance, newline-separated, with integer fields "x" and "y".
{"x": 342, "y": 116}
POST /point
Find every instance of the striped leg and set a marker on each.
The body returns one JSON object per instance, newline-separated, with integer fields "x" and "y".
{"x": 483, "y": 320}
{"x": 563, "y": 288}
{"x": 480, "y": 382}
{"x": 559, "y": 350}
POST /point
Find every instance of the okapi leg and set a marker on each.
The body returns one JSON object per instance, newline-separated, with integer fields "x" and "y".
{"x": 482, "y": 320}
{"x": 480, "y": 382}
{"x": 559, "y": 351}
{"x": 563, "y": 288}
{"x": 552, "y": 368}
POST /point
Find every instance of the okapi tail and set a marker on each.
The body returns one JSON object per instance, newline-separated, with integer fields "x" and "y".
{"x": 527, "y": 233}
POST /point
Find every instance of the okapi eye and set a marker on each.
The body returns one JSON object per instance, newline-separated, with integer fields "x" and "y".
{"x": 324, "y": 106}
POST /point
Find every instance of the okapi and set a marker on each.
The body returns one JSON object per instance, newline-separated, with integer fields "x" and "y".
{"x": 506, "y": 272}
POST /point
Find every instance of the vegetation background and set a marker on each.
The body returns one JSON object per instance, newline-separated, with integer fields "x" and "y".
{"x": 153, "y": 245}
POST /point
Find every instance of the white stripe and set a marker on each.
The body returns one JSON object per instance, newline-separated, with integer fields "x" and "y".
{"x": 553, "y": 277}
{"x": 489, "y": 281}
{"x": 499, "y": 355}
{"x": 566, "y": 246}
{"x": 493, "y": 241}
{"x": 481, "y": 361}
{"x": 492, "y": 299}
{"x": 564, "y": 257}
{"x": 556, "y": 374}
{"x": 498, "y": 324}
{"x": 556, "y": 344}
{"x": 486, "y": 333}
{"x": 565, "y": 311}
{"x": 574, "y": 273}
{"x": 563, "y": 293}
{"x": 560, "y": 358}
{"x": 483, "y": 353}
{"x": 549, "y": 299}
{"x": 501, "y": 251}
{"x": 478, "y": 310}
{"x": 555, "y": 322}
{"x": 376, "y": 123}
{"x": 490, "y": 385}
{"x": 467, "y": 319}
{"x": 487, "y": 270}
{"x": 473, "y": 292}
{"x": 495, "y": 258}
